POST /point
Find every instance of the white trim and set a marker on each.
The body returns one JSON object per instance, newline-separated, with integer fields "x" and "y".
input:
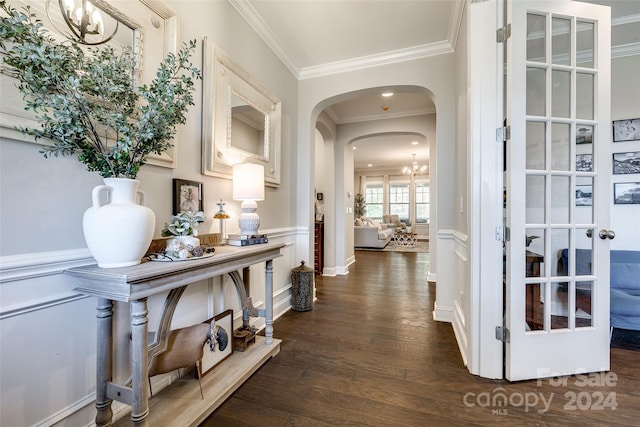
{"x": 255, "y": 21}
{"x": 459, "y": 328}
{"x": 65, "y": 413}
{"x": 384, "y": 58}
{"x": 624, "y": 50}
{"x": 442, "y": 314}
{"x": 40, "y": 304}
{"x": 37, "y": 264}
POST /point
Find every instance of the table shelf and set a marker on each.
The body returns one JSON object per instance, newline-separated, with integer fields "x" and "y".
{"x": 180, "y": 404}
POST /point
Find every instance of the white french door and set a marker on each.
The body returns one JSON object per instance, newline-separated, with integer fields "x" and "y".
{"x": 558, "y": 192}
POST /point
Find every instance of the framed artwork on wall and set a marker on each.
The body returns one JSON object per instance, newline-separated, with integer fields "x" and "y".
{"x": 626, "y": 193}
{"x": 584, "y": 195}
{"x": 220, "y": 345}
{"x": 626, "y": 130}
{"x": 187, "y": 196}
{"x": 625, "y": 163}
{"x": 584, "y": 162}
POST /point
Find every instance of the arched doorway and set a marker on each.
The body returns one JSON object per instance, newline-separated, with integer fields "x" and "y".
{"x": 336, "y": 158}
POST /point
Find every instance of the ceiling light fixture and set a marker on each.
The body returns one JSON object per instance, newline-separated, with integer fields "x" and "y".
{"x": 83, "y": 20}
{"x": 387, "y": 94}
{"x": 415, "y": 169}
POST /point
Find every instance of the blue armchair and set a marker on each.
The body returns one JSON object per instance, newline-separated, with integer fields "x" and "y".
{"x": 624, "y": 284}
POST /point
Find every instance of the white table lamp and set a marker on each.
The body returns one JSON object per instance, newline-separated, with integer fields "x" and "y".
{"x": 248, "y": 186}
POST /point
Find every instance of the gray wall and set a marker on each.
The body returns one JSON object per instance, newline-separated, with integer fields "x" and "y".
{"x": 46, "y": 329}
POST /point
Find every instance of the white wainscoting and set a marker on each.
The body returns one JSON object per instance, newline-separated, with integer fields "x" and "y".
{"x": 48, "y": 332}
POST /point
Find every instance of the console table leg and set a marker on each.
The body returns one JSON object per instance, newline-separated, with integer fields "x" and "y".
{"x": 268, "y": 302}
{"x": 139, "y": 361}
{"x": 104, "y": 309}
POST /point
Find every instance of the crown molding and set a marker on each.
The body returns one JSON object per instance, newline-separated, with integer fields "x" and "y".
{"x": 385, "y": 58}
{"x": 256, "y": 22}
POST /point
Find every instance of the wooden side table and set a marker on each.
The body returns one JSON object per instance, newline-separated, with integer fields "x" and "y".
{"x": 134, "y": 285}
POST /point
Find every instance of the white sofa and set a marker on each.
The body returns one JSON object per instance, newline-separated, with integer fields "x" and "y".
{"x": 371, "y": 234}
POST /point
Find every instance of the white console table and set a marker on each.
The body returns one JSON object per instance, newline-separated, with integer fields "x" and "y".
{"x": 134, "y": 285}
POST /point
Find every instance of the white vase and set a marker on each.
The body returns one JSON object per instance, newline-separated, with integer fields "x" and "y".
{"x": 119, "y": 232}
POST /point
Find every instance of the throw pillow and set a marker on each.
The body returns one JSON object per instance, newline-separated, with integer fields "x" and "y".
{"x": 358, "y": 222}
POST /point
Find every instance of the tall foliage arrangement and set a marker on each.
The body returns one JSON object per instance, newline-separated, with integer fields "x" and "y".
{"x": 359, "y": 205}
{"x": 86, "y": 101}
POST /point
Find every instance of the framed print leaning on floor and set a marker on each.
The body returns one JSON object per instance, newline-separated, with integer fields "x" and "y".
{"x": 220, "y": 344}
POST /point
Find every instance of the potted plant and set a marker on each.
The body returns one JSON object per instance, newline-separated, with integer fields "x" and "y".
{"x": 87, "y": 104}
{"x": 359, "y": 205}
{"x": 183, "y": 230}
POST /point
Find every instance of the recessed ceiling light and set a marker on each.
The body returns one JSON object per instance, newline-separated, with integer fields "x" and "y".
{"x": 354, "y": 147}
{"x": 387, "y": 94}
{"x": 370, "y": 165}
{"x": 414, "y": 143}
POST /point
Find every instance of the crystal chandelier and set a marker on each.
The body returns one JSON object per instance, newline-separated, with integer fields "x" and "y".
{"x": 414, "y": 169}
{"x": 84, "y": 21}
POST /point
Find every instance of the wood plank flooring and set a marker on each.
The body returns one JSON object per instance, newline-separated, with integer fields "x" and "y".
{"x": 370, "y": 354}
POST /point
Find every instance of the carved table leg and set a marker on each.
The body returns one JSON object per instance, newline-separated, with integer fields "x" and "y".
{"x": 104, "y": 368}
{"x": 268, "y": 302}
{"x": 140, "y": 361}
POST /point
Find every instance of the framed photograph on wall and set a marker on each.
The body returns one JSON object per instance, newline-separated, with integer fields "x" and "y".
{"x": 584, "y": 162}
{"x": 625, "y": 163}
{"x": 220, "y": 346}
{"x": 626, "y": 130}
{"x": 584, "y": 195}
{"x": 584, "y": 135}
{"x": 187, "y": 196}
{"x": 626, "y": 193}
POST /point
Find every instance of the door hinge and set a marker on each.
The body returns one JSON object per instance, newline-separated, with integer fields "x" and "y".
{"x": 503, "y": 34}
{"x": 503, "y": 134}
{"x": 502, "y": 334}
{"x": 502, "y": 233}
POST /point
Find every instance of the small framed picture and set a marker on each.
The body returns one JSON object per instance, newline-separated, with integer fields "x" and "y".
{"x": 624, "y": 163}
{"x": 584, "y": 162}
{"x": 626, "y": 193}
{"x": 220, "y": 345}
{"x": 626, "y": 130}
{"x": 187, "y": 196}
{"x": 584, "y": 195}
{"x": 584, "y": 135}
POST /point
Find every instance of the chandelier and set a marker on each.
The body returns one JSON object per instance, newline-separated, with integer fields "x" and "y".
{"x": 414, "y": 169}
{"x": 83, "y": 20}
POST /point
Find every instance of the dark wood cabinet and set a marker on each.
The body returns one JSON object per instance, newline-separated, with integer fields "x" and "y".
{"x": 318, "y": 264}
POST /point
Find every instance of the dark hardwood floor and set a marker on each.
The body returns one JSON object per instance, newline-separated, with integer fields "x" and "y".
{"x": 370, "y": 354}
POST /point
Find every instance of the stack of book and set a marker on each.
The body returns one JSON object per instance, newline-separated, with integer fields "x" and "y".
{"x": 246, "y": 240}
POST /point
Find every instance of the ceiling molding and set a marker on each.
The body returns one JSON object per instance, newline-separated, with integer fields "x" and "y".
{"x": 457, "y": 15}
{"x": 256, "y": 22}
{"x": 384, "y": 58}
{"x": 251, "y": 16}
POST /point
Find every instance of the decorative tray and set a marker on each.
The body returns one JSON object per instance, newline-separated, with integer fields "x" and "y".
{"x": 160, "y": 257}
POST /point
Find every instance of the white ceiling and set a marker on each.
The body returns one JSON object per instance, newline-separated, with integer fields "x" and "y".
{"x": 319, "y": 37}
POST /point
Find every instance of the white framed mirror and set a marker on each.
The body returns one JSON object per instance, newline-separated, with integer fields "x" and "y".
{"x": 149, "y": 27}
{"x": 241, "y": 119}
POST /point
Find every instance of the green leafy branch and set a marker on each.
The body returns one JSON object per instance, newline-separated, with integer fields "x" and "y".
{"x": 85, "y": 99}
